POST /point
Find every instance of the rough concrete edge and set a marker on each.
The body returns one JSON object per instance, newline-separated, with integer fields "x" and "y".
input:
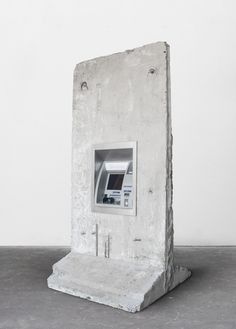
{"x": 177, "y": 279}
{"x": 155, "y": 292}
{"x": 56, "y": 264}
{"x": 55, "y": 282}
{"x": 128, "y": 51}
{"x": 131, "y": 307}
{"x": 169, "y": 233}
{"x": 180, "y": 275}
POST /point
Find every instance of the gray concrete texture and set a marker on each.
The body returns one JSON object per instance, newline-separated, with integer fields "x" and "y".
{"x": 206, "y": 301}
{"x": 122, "y": 98}
{"x": 125, "y": 99}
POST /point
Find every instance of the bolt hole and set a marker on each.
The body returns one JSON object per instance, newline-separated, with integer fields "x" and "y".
{"x": 84, "y": 86}
{"x": 152, "y": 70}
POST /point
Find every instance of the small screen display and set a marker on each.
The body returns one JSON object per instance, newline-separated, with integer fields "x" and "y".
{"x": 115, "y": 181}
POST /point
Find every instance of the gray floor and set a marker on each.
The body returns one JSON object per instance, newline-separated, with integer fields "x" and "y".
{"x": 207, "y": 300}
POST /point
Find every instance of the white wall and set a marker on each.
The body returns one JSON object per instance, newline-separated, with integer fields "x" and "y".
{"x": 41, "y": 41}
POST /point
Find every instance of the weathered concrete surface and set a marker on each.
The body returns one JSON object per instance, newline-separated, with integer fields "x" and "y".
{"x": 130, "y": 286}
{"x": 125, "y": 99}
{"x": 120, "y": 98}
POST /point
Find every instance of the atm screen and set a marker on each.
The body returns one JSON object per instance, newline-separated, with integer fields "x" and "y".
{"x": 115, "y": 182}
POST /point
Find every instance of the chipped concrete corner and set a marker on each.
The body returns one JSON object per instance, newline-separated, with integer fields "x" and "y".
{"x": 122, "y": 259}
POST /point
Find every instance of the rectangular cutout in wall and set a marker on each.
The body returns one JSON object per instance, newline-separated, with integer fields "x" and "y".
{"x": 114, "y": 178}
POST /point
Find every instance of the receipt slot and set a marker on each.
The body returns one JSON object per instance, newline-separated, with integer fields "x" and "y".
{"x": 114, "y": 178}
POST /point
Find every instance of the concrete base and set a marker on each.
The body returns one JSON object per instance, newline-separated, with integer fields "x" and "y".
{"x": 130, "y": 286}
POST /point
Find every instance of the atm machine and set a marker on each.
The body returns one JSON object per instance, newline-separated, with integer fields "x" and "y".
{"x": 117, "y": 190}
{"x": 114, "y": 178}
